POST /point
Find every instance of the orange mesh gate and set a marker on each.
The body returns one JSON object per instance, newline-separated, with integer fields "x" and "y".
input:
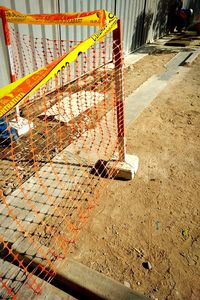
{"x": 52, "y": 175}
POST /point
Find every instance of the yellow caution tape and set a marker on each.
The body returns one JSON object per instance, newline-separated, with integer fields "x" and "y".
{"x": 92, "y": 18}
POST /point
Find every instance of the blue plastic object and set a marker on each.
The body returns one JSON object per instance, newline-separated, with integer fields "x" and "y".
{"x": 6, "y": 133}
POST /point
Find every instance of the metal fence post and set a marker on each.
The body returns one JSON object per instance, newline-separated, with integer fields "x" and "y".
{"x": 119, "y": 88}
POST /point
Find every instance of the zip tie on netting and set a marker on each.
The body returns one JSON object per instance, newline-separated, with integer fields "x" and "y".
{"x": 53, "y": 174}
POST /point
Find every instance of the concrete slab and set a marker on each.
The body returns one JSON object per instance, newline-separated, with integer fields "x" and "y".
{"x": 124, "y": 170}
{"x": 86, "y": 283}
{"x": 150, "y": 89}
{"x": 72, "y": 278}
{"x": 192, "y": 57}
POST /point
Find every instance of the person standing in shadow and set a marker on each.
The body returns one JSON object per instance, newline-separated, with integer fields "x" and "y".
{"x": 173, "y": 14}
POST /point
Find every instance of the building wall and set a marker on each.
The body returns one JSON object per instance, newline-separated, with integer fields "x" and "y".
{"x": 155, "y": 20}
{"x": 194, "y": 4}
{"x": 142, "y": 21}
{"x": 26, "y": 6}
{"x": 131, "y": 13}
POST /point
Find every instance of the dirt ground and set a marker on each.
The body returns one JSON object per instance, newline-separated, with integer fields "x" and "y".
{"x": 150, "y": 65}
{"x": 155, "y": 218}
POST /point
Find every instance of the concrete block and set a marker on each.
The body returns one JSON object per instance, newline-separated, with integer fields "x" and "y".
{"x": 192, "y": 57}
{"x": 85, "y": 283}
{"x": 124, "y": 170}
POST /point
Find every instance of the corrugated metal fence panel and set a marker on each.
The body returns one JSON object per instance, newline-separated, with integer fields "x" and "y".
{"x": 131, "y": 12}
{"x": 4, "y": 66}
{"x": 138, "y": 27}
{"x": 23, "y": 43}
{"x": 33, "y": 45}
{"x": 194, "y": 4}
{"x": 149, "y": 21}
{"x": 80, "y": 33}
{"x": 51, "y": 32}
{"x": 156, "y": 14}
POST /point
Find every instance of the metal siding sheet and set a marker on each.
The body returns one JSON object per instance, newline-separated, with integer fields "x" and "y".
{"x": 79, "y": 33}
{"x": 82, "y": 32}
{"x": 186, "y": 3}
{"x": 4, "y": 66}
{"x": 194, "y": 4}
{"x": 150, "y": 11}
{"x": 139, "y": 28}
{"x": 160, "y": 19}
{"x": 131, "y": 13}
{"x": 38, "y": 31}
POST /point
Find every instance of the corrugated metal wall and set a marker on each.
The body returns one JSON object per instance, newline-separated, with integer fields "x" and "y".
{"x": 132, "y": 15}
{"x": 155, "y": 19}
{"x": 82, "y": 32}
{"x": 142, "y": 20}
{"x": 194, "y": 4}
{"x": 51, "y": 32}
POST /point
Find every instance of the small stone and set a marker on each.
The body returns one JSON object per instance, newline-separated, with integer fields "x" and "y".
{"x": 153, "y": 297}
{"x": 147, "y": 265}
{"x": 20, "y": 168}
{"x": 152, "y": 179}
{"x": 138, "y": 283}
{"x": 137, "y": 250}
{"x": 7, "y": 191}
{"x": 182, "y": 254}
{"x": 107, "y": 229}
{"x": 127, "y": 284}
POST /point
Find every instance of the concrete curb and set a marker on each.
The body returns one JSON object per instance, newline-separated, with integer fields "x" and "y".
{"x": 192, "y": 57}
{"x": 72, "y": 278}
{"x": 86, "y": 283}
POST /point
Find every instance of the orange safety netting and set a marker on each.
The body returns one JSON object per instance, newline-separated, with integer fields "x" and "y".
{"x": 54, "y": 168}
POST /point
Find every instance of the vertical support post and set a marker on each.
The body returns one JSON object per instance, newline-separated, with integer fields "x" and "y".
{"x": 118, "y": 73}
{"x": 10, "y": 53}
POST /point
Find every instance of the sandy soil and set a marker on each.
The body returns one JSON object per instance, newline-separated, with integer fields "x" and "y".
{"x": 139, "y": 72}
{"x": 155, "y": 218}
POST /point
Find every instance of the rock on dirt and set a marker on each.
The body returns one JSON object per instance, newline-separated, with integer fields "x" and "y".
{"x": 147, "y": 265}
{"x": 127, "y": 284}
{"x": 7, "y": 191}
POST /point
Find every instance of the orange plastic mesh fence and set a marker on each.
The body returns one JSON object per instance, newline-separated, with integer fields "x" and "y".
{"x": 32, "y": 53}
{"x": 53, "y": 175}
